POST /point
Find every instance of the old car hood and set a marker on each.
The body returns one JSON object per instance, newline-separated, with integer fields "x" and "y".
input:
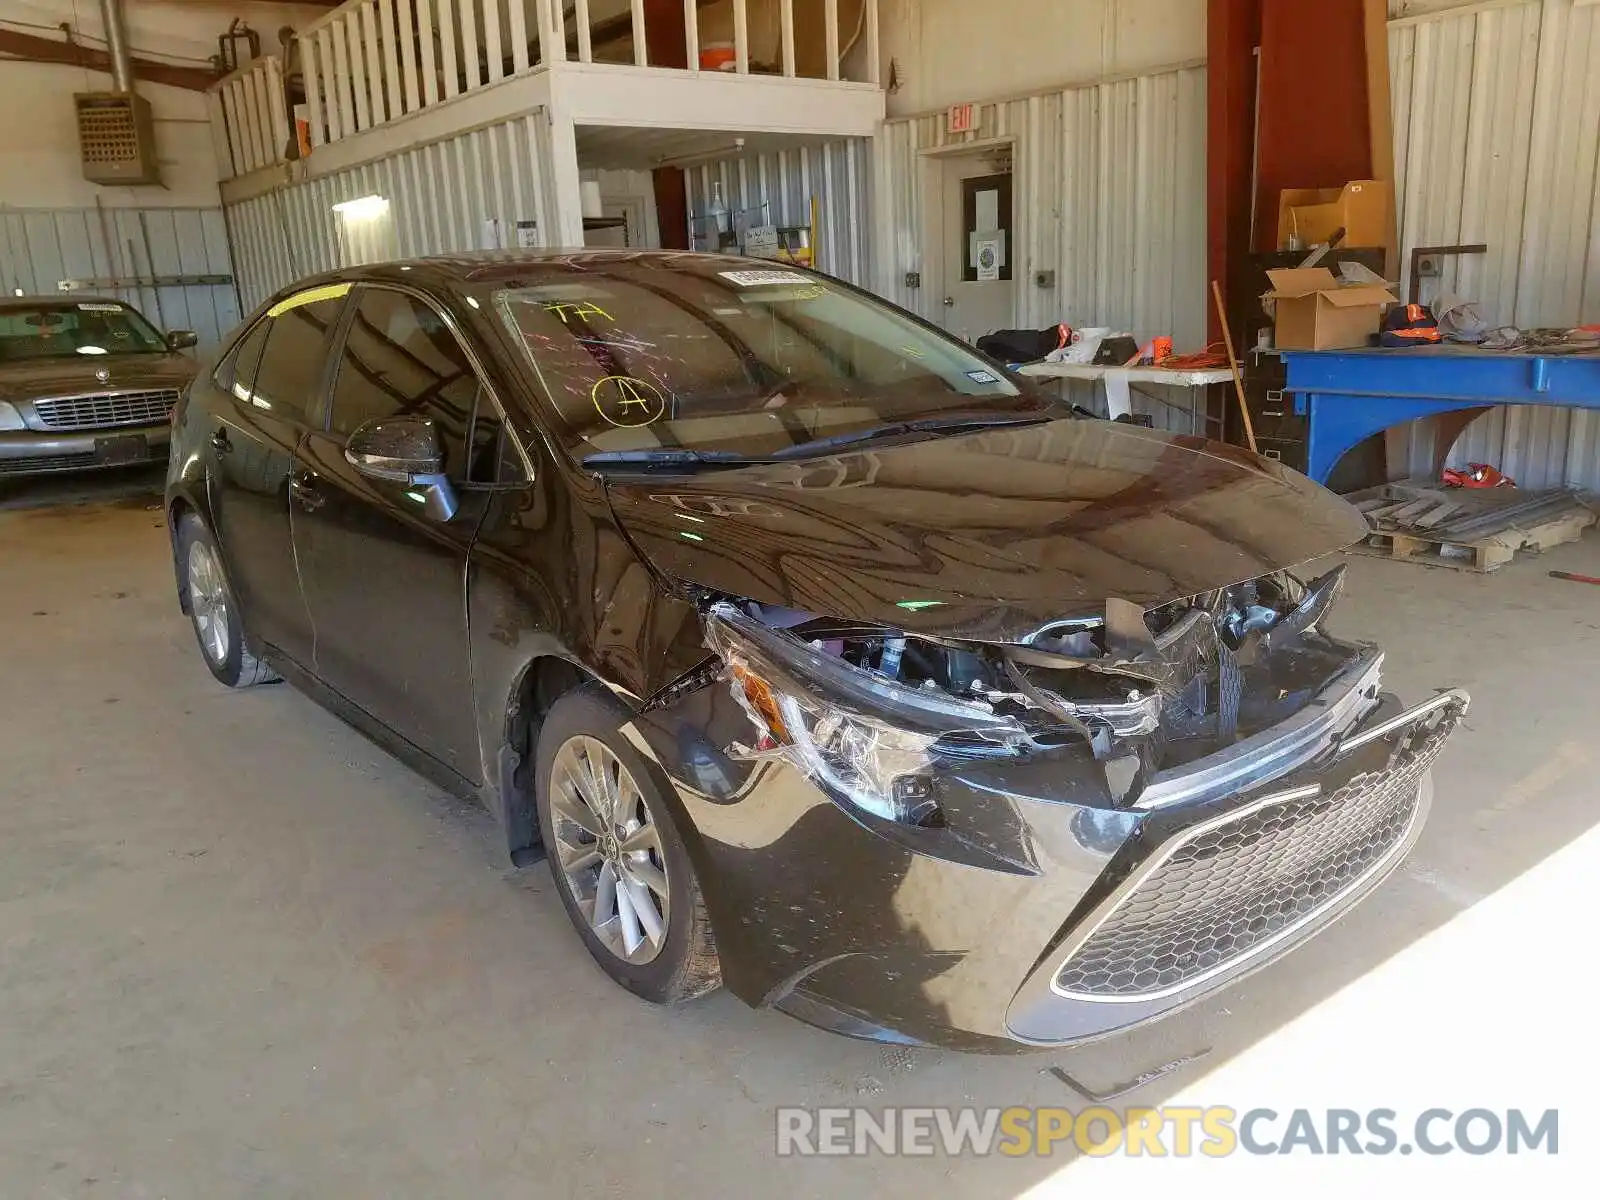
{"x": 989, "y": 535}
{"x": 30, "y": 379}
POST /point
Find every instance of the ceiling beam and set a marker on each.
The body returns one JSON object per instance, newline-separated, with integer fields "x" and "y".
{"x": 31, "y": 48}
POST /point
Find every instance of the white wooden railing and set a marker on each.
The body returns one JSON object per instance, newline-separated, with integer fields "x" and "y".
{"x": 369, "y": 62}
{"x": 250, "y": 117}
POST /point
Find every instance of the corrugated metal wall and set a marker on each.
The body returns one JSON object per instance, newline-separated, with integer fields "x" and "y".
{"x": 1109, "y": 193}
{"x": 441, "y": 194}
{"x": 41, "y": 247}
{"x": 1497, "y": 124}
{"x": 836, "y": 173}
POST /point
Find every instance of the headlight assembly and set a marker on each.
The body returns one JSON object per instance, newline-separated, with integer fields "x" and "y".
{"x": 10, "y": 418}
{"x": 871, "y": 743}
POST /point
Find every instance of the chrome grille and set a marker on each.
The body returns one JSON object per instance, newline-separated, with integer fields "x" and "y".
{"x": 107, "y": 411}
{"x": 1231, "y": 889}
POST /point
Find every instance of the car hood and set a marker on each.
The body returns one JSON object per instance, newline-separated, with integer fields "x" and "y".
{"x": 30, "y": 379}
{"x": 987, "y": 536}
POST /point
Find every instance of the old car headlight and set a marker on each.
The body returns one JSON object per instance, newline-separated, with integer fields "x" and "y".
{"x": 10, "y": 418}
{"x": 871, "y": 743}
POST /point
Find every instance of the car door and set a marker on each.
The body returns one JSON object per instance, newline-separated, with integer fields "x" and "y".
{"x": 384, "y": 579}
{"x": 276, "y": 379}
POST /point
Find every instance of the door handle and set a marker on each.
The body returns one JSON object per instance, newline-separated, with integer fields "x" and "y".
{"x": 303, "y": 488}
{"x": 220, "y": 442}
{"x": 949, "y": 301}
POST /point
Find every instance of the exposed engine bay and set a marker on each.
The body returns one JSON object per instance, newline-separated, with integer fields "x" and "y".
{"x": 1145, "y": 691}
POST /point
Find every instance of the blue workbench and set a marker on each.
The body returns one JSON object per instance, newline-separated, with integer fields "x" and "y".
{"x": 1349, "y": 395}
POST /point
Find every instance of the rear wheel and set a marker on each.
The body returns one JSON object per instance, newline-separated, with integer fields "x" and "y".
{"x": 213, "y": 611}
{"x": 619, "y": 864}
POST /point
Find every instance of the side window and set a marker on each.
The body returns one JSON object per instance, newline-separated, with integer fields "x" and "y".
{"x": 493, "y": 457}
{"x": 237, "y": 371}
{"x": 291, "y": 365}
{"x": 401, "y": 358}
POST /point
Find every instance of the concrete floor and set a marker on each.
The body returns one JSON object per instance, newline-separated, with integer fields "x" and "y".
{"x": 243, "y": 952}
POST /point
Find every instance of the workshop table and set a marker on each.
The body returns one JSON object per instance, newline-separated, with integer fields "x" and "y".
{"x": 1349, "y": 395}
{"x": 1118, "y": 381}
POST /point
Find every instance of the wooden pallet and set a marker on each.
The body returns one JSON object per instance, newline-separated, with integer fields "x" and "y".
{"x": 1464, "y": 529}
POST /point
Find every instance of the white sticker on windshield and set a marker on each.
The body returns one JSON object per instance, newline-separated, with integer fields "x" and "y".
{"x": 86, "y": 306}
{"x": 762, "y": 278}
{"x": 981, "y": 377}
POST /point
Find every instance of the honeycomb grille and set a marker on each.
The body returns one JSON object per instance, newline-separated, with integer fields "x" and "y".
{"x": 107, "y": 411}
{"x": 107, "y": 133}
{"x": 1229, "y": 890}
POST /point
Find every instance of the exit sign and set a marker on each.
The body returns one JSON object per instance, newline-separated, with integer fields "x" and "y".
{"x": 962, "y": 118}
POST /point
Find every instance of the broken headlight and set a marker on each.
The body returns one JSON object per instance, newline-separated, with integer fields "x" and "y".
{"x": 872, "y": 743}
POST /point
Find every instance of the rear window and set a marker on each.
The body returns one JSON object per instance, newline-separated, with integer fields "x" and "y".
{"x": 288, "y": 381}
{"x": 237, "y": 371}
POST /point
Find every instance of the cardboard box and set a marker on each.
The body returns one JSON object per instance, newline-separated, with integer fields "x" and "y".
{"x": 1315, "y": 312}
{"x": 1364, "y": 207}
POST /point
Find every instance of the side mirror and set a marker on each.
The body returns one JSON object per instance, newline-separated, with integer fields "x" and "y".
{"x": 182, "y": 339}
{"x": 404, "y": 450}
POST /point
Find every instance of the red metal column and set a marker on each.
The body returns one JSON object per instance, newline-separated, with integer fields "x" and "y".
{"x": 1314, "y": 126}
{"x": 1232, "y": 30}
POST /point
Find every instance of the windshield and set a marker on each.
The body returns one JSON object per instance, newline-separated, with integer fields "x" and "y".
{"x": 684, "y": 355}
{"x": 87, "y": 328}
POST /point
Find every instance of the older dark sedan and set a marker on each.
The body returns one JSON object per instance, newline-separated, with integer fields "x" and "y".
{"x": 85, "y": 382}
{"x": 821, "y": 658}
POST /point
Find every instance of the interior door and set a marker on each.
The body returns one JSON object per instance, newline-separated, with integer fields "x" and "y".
{"x": 384, "y": 580}
{"x": 274, "y": 377}
{"x": 977, "y": 250}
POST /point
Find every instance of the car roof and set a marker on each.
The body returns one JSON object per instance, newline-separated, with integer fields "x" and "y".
{"x": 57, "y": 301}
{"x": 467, "y": 272}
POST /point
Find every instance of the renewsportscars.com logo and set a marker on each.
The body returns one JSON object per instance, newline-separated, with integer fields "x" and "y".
{"x": 1173, "y": 1130}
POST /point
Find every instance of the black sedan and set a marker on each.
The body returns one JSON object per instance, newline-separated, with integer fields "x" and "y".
{"x": 822, "y": 658}
{"x": 85, "y": 381}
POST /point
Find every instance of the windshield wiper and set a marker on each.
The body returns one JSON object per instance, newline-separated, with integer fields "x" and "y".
{"x": 946, "y": 424}
{"x": 666, "y": 456}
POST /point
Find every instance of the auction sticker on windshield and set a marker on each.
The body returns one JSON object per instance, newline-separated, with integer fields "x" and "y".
{"x": 763, "y": 278}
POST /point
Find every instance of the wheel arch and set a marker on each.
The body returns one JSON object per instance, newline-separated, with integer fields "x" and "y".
{"x": 181, "y": 504}
{"x": 534, "y": 690}
{"x": 543, "y": 681}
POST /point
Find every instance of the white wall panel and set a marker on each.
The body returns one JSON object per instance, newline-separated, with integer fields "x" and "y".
{"x": 950, "y": 51}
{"x": 39, "y": 248}
{"x": 1109, "y": 193}
{"x": 441, "y": 196}
{"x": 1497, "y": 140}
{"x": 836, "y": 173}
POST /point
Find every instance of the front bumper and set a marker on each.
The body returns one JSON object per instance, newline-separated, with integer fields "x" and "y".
{"x": 1206, "y": 896}
{"x": 1041, "y": 914}
{"x": 27, "y": 452}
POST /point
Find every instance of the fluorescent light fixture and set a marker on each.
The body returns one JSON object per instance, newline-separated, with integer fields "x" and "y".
{"x": 362, "y": 208}
{"x": 702, "y": 156}
{"x": 91, "y": 349}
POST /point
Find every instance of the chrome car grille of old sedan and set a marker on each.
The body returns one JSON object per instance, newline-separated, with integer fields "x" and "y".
{"x": 1229, "y": 888}
{"x": 107, "y": 410}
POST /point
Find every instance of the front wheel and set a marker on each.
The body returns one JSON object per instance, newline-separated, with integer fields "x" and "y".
{"x": 620, "y": 866}
{"x": 213, "y": 610}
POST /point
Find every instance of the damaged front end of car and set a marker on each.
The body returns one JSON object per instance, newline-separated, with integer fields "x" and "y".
{"x": 1165, "y": 799}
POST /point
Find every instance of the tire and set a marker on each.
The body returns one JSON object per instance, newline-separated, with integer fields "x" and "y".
{"x": 213, "y": 610}
{"x": 678, "y": 961}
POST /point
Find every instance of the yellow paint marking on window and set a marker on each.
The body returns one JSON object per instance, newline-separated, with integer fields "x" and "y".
{"x": 329, "y": 291}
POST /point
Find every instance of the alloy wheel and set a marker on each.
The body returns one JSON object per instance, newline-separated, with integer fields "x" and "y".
{"x": 208, "y": 601}
{"x": 609, "y": 849}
